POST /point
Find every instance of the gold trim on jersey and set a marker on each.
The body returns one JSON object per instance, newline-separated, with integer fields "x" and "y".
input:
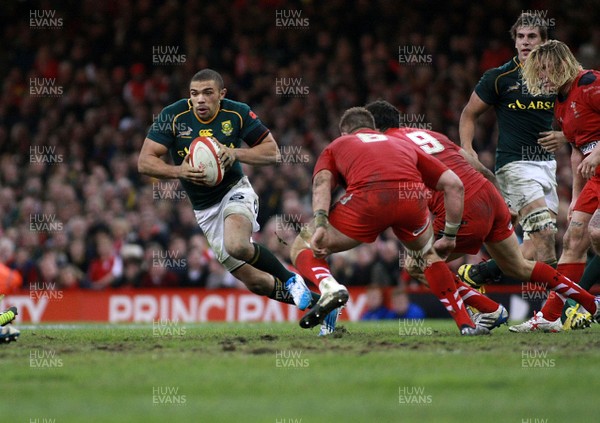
{"x": 216, "y": 114}
{"x": 176, "y": 116}
{"x": 206, "y": 122}
{"x": 505, "y": 73}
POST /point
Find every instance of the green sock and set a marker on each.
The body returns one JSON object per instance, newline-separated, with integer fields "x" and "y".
{"x": 591, "y": 274}
{"x": 315, "y": 298}
{"x": 488, "y": 270}
{"x": 267, "y": 262}
{"x": 505, "y": 280}
{"x": 280, "y": 293}
{"x": 493, "y": 269}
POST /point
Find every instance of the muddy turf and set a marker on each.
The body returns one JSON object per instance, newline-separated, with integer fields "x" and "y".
{"x": 368, "y": 372}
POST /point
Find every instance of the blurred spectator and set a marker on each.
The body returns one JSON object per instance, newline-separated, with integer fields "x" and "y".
{"x": 133, "y": 271}
{"x": 220, "y": 278}
{"x": 386, "y": 268}
{"x": 197, "y": 270}
{"x": 10, "y": 279}
{"x": 376, "y": 308}
{"x": 157, "y": 268}
{"x": 69, "y": 277}
{"x": 341, "y": 266}
{"x": 106, "y": 267}
{"x": 402, "y": 308}
{"x": 362, "y": 269}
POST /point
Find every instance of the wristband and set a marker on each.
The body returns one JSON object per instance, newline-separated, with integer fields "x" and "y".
{"x": 321, "y": 218}
{"x": 451, "y": 229}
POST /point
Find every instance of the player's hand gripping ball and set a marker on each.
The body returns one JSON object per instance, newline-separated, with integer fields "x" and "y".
{"x": 204, "y": 154}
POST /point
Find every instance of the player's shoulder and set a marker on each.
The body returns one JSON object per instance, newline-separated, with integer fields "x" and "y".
{"x": 180, "y": 106}
{"x": 589, "y": 77}
{"x": 232, "y": 106}
{"x": 236, "y": 111}
{"x": 510, "y": 68}
{"x": 341, "y": 139}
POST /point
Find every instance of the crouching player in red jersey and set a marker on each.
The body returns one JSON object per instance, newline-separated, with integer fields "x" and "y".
{"x": 486, "y": 219}
{"x": 381, "y": 176}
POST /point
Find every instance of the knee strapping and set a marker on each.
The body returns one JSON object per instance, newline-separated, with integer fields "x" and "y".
{"x": 539, "y": 220}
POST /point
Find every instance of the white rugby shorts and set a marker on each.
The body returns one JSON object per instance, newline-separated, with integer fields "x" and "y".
{"x": 522, "y": 182}
{"x": 240, "y": 199}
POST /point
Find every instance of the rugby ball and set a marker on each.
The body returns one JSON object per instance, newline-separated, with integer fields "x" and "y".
{"x": 204, "y": 154}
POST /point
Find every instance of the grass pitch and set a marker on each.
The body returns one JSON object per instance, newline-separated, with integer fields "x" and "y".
{"x": 370, "y": 372}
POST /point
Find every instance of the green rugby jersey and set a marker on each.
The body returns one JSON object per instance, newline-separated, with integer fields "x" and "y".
{"x": 521, "y": 116}
{"x": 177, "y": 126}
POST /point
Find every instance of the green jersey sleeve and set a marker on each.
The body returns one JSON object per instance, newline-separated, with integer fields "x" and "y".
{"x": 486, "y": 87}
{"x": 252, "y": 131}
{"x": 162, "y": 129}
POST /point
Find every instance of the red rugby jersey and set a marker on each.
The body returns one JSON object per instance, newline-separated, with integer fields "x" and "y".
{"x": 369, "y": 160}
{"x": 440, "y": 146}
{"x": 578, "y": 113}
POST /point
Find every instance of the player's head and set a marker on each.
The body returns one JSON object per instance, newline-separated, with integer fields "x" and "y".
{"x": 206, "y": 92}
{"x": 385, "y": 114}
{"x": 550, "y": 68}
{"x": 356, "y": 118}
{"x": 528, "y": 31}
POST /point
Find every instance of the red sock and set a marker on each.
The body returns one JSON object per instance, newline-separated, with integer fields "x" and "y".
{"x": 563, "y": 286}
{"x": 474, "y": 298}
{"x": 552, "y": 310}
{"x": 312, "y": 268}
{"x": 441, "y": 283}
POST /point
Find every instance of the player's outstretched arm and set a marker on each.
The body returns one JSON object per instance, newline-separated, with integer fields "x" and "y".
{"x": 454, "y": 203}
{"x": 466, "y": 126}
{"x": 453, "y": 196}
{"x": 150, "y": 163}
{"x": 322, "y": 183}
{"x": 479, "y": 167}
{"x": 261, "y": 154}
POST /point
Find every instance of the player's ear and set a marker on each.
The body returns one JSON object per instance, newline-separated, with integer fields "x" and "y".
{"x": 222, "y": 93}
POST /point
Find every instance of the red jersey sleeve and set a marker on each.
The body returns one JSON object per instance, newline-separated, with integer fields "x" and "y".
{"x": 430, "y": 168}
{"x": 594, "y": 98}
{"x": 326, "y": 161}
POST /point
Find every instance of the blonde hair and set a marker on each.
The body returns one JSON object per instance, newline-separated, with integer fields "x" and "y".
{"x": 551, "y": 61}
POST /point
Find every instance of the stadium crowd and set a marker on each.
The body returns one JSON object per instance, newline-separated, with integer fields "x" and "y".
{"x": 80, "y": 90}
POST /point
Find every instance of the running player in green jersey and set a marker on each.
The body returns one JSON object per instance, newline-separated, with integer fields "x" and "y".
{"x": 227, "y": 212}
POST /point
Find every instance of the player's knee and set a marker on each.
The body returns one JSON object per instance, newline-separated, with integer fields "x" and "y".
{"x": 258, "y": 287}
{"x": 422, "y": 258}
{"x": 515, "y": 266}
{"x": 415, "y": 270}
{"x": 239, "y": 249}
{"x": 574, "y": 240}
{"x": 520, "y": 271}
